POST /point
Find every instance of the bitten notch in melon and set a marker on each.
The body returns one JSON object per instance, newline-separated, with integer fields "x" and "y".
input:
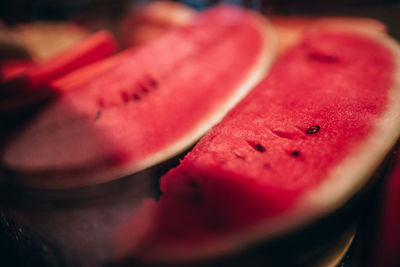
{"x": 152, "y": 106}
{"x": 297, "y": 148}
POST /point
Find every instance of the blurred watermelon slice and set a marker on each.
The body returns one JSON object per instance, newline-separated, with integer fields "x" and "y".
{"x": 152, "y": 106}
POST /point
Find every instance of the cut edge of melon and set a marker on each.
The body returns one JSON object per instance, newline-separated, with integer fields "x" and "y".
{"x": 290, "y": 29}
{"x": 371, "y": 153}
{"x": 313, "y": 206}
{"x": 57, "y": 180}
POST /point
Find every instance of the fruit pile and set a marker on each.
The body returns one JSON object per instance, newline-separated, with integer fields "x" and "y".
{"x": 295, "y": 120}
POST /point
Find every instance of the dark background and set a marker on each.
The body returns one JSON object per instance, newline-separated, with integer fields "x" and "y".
{"x": 15, "y": 11}
{"x": 22, "y": 10}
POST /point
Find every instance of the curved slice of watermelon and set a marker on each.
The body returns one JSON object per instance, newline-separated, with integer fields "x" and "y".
{"x": 147, "y": 22}
{"x": 299, "y": 146}
{"x": 155, "y": 104}
{"x": 291, "y": 29}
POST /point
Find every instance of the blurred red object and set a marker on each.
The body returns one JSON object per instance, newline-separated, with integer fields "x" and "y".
{"x": 146, "y": 22}
{"x": 95, "y": 47}
{"x": 12, "y": 68}
{"x": 387, "y": 251}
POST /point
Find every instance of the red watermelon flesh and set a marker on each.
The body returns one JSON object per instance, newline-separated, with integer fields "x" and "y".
{"x": 155, "y": 104}
{"x": 93, "y": 48}
{"x": 296, "y": 148}
{"x": 96, "y": 47}
{"x": 59, "y": 85}
{"x": 76, "y": 79}
{"x": 26, "y": 85}
{"x": 387, "y": 245}
{"x": 13, "y": 68}
{"x": 291, "y": 29}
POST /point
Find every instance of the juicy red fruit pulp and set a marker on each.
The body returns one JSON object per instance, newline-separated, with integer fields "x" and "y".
{"x": 149, "y": 107}
{"x": 319, "y": 102}
{"x": 158, "y": 95}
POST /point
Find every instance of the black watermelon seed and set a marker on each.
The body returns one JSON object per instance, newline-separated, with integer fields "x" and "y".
{"x": 313, "y": 129}
{"x": 153, "y": 83}
{"x": 256, "y": 146}
{"x": 97, "y": 116}
{"x": 295, "y": 154}
{"x": 260, "y": 148}
{"x": 136, "y": 97}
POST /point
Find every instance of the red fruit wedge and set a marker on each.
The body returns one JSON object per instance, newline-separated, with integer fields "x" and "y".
{"x": 91, "y": 49}
{"x": 297, "y": 148}
{"x": 149, "y": 108}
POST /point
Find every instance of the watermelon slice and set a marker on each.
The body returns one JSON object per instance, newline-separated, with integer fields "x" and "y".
{"x": 152, "y": 106}
{"x": 92, "y": 49}
{"x": 297, "y": 148}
